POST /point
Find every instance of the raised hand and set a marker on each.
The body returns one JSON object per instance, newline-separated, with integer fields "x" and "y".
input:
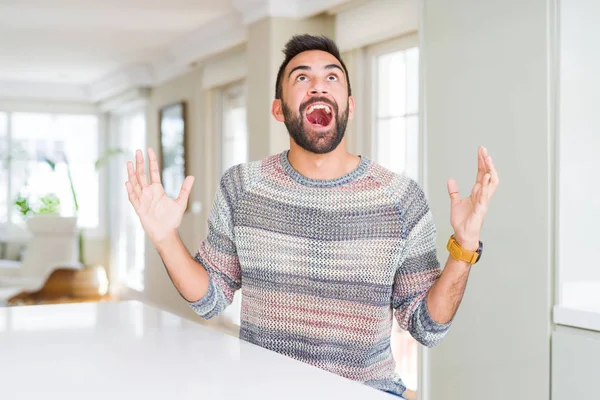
{"x": 159, "y": 214}
{"x": 466, "y": 215}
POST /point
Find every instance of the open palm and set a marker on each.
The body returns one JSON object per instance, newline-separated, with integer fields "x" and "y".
{"x": 466, "y": 215}
{"x": 159, "y": 214}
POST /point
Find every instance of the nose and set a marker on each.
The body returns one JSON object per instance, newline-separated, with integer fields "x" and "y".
{"x": 318, "y": 89}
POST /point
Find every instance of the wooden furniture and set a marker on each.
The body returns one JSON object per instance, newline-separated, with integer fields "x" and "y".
{"x": 57, "y": 289}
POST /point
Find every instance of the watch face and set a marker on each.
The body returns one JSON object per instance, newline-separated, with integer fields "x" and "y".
{"x": 480, "y": 250}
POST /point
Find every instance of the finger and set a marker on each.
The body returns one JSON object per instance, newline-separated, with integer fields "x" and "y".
{"x": 494, "y": 179}
{"x": 133, "y": 180}
{"x": 154, "y": 171}
{"x": 481, "y": 167}
{"x": 485, "y": 190}
{"x": 184, "y": 193}
{"x": 481, "y": 201}
{"x": 133, "y": 198}
{"x": 140, "y": 170}
{"x": 476, "y": 190}
{"x": 453, "y": 191}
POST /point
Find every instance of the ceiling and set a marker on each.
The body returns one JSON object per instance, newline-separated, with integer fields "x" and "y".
{"x": 90, "y": 50}
{"x": 81, "y": 41}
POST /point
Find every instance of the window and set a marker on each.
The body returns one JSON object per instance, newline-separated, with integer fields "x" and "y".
{"x": 395, "y": 144}
{"x": 234, "y": 134}
{"x": 27, "y": 140}
{"x": 577, "y": 276}
{"x": 233, "y": 143}
{"x": 127, "y": 239}
{"x": 4, "y": 163}
{"x": 396, "y": 106}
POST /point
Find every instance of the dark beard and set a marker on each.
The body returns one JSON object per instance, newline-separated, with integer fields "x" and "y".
{"x": 323, "y": 143}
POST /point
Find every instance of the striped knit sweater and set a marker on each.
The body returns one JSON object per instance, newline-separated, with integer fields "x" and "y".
{"x": 323, "y": 265}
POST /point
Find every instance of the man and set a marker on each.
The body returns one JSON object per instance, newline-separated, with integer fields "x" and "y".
{"x": 326, "y": 246}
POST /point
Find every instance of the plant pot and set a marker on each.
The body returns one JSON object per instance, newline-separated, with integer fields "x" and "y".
{"x": 90, "y": 281}
{"x": 52, "y": 244}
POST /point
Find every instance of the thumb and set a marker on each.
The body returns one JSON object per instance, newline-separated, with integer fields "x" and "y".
{"x": 453, "y": 191}
{"x": 184, "y": 193}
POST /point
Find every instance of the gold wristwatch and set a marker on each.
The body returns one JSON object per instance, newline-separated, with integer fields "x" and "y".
{"x": 460, "y": 254}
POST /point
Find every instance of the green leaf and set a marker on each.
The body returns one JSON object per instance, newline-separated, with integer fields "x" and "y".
{"x": 51, "y": 163}
{"x": 22, "y": 204}
{"x": 50, "y": 204}
{"x": 73, "y": 193}
{"x": 107, "y": 156}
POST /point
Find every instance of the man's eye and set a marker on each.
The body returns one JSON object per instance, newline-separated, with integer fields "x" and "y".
{"x": 301, "y": 78}
{"x": 332, "y": 78}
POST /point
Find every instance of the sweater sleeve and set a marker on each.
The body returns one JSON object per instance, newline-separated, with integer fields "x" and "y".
{"x": 419, "y": 268}
{"x": 218, "y": 255}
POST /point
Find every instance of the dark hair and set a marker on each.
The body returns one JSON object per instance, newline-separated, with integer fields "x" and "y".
{"x": 301, "y": 43}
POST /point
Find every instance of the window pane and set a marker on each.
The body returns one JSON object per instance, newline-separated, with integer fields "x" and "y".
{"x": 412, "y": 80}
{"x": 412, "y": 147}
{"x": 234, "y": 134}
{"x": 391, "y": 143}
{"x": 234, "y": 150}
{"x": 405, "y": 351}
{"x": 136, "y": 131}
{"x": 36, "y": 138}
{"x": 128, "y": 132}
{"x": 3, "y": 122}
{"x": 172, "y": 142}
{"x": 31, "y": 141}
{"x": 391, "y": 84}
{"x": 396, "y": 146}
{"x": 4, "y": 159}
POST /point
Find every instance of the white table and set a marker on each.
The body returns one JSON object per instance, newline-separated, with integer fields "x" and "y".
{"x": 128, "y": 350}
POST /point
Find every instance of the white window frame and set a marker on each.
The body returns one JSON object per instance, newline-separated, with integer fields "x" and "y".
{"x": 232, "y": 313}
{"x": 218, "y": 122}
{"x": 366, "y": 124}
{"x": 217, "y": 73}
{"x": 370, "y": 123}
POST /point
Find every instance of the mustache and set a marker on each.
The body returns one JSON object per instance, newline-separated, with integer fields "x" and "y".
{"x": 314, "y": 100}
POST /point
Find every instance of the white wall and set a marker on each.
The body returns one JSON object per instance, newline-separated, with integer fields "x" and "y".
{"x": 579, "y": 199}
{"x": 159, "y": 289}
{"x": 375, "y": 21}
{"x": 575, "y": 364}
{"x": 224, "y": 69}
{"x": 486, "y": 83}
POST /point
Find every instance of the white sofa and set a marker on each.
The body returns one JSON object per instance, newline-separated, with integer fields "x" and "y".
{"x": 51, "y": 243}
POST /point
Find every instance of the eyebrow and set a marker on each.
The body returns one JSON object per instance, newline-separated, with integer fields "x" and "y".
{"x": 307, "y": 68}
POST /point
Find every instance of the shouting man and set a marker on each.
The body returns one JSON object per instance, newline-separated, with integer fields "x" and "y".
{"x": 326, "y": 246}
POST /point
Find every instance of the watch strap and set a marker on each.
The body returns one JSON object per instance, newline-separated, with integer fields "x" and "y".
{"x": 461, "y": 254}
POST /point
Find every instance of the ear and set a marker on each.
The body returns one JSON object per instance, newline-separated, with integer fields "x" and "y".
{"x": 277, "y": 111}
{"x": 350, "y": 107}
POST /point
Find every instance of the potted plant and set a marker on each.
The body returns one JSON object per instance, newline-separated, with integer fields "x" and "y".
{"x": 49, "y": 205}
{"x": 92, "y": 279}
{"x": 50, "y": 232}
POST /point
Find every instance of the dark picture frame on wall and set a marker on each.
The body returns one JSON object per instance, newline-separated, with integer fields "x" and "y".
{"x": 172, "y": 125}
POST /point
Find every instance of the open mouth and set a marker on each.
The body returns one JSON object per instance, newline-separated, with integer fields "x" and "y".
{"x": 319, "y": 115}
